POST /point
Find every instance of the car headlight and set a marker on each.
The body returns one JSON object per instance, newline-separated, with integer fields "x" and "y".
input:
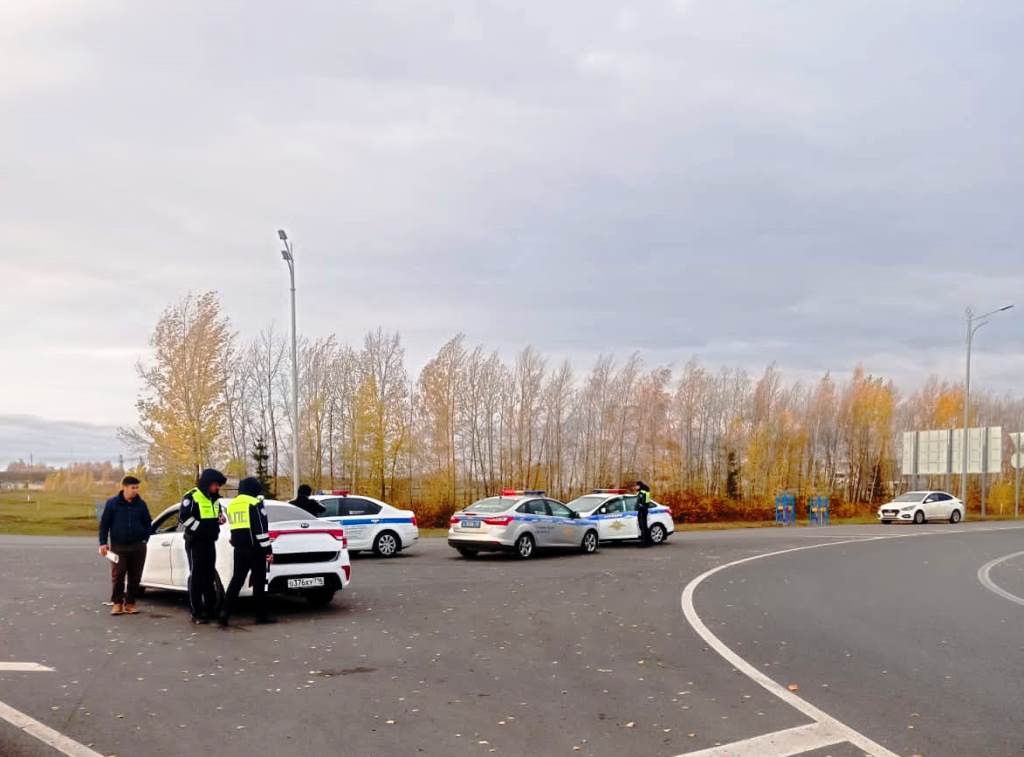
{"x": 908, "y": 507}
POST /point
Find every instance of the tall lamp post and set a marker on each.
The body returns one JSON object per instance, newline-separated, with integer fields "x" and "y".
{"x": 974, "y": 322}
{"x": 289, "y": 258}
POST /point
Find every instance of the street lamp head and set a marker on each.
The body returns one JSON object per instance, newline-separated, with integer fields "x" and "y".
{"x": 283, "y": 237}
{"x": 286, "y": 255}
{"x": 1005, "y": 307}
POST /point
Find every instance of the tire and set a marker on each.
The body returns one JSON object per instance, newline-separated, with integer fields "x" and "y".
{"x": 524, "y": 547}
{"x": 955, "y": 516}
{"x": 589, "y": 544}
{"x": 658, "y": 533}
{"x": 919, "y": 517}
{"x": 387, "y": 544}
{"x": 320, "y": 597}
{"x": 469, "y": 554}
{"x": 886, "y": 522}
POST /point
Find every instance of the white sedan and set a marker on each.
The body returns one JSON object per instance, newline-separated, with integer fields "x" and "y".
{"x": 615, "y": 513}
{"x": 920, "y": 507}
{"x": 370, "y": 523}
{"x": 310, "y": 556}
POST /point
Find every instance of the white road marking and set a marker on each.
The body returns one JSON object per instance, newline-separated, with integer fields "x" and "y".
{"x": 44, "y": 733}
{"x": 26, "y": 667}
{"x": 992, "y": 586}
{"x": 829, "y": 723}
{"x": 804, "y": 738}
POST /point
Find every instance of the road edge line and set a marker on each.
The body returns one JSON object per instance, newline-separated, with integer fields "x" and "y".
{"x": 45, "y": 734}
{"x": 986, "y": 579}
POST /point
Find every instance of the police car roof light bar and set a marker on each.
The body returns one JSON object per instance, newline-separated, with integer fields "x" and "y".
{"x": 521, "y": 492}
{"x": 609, "y": 491}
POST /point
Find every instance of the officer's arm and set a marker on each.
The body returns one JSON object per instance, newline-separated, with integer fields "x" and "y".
{"x": 188, "y": 516}
{"x": 259, "y": 528}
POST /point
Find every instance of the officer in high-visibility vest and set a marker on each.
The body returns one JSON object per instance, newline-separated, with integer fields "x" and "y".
{"x": 250, "y": 536}
{"x": 201, "y": 518}
{"x": 643, "y": 505}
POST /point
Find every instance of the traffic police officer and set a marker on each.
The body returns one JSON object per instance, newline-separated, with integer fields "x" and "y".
{"x": 250, "y": 536}
{"x": 643, "y": 505}
{"x": 201, "y": 518}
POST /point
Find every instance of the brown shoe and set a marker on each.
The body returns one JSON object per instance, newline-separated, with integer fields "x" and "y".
{"x": 129, "y": 608}
{"x": 117, "y": 609}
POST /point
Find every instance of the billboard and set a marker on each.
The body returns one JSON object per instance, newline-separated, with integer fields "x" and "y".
{"x": 939, "y": 452}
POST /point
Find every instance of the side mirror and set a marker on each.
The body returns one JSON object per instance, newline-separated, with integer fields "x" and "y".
{"x": 573, "y": 514}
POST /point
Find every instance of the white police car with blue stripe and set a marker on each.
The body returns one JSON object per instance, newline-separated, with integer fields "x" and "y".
{"x": 615, "y": 513}
{"x": 520, "y": 521}
{"x": 370, "y": 523}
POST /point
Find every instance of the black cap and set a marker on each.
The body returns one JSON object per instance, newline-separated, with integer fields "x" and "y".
{"x": 305, "y": 490}
{"x": 250, "y": 486}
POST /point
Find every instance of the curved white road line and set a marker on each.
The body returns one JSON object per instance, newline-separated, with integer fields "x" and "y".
{"x": 819, "y": 716}
{"x": 992, "y": 586}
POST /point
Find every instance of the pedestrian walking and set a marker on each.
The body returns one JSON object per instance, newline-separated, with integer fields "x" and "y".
{"x": 125, "y": 527}
{"x": 308, "y": 504}
{"x": 201, "y": 519}
{"x": 643, "y": 506}
{"x": 250, "y": 538}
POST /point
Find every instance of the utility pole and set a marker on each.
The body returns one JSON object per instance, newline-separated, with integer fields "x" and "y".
{"x": 288, "y": 255}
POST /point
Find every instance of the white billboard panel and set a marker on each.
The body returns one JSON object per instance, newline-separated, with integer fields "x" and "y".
{"x": 933, "y": 451}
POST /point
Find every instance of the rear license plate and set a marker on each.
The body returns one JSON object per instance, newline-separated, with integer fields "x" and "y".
{"x": 471, "y": 523}
{"x": 303, "y": 583}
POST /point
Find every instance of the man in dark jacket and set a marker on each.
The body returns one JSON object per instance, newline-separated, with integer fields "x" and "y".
{"x": 643, "y": 506}
{"x": 250, "y": 537}
{"x": 125, "y": 527}
{"x": 201, "y": 519}
{"x": 311, "y": 506}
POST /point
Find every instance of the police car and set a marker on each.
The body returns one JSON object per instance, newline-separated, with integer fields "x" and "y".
{"x": 310, "y": 556}
{"x": 614, "y": 510}
{"x": 520, "y": 521}
{"x": 370, "y": 523}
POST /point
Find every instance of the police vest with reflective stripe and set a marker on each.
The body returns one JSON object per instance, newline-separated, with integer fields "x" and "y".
{"x": 238, "y": 511}
{"x": 207, "y": 508}
{"x": 645, "y": 497}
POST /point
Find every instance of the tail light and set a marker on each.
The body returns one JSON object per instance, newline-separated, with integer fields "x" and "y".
{"x": 501, "y": 520}
{"x": 348, "y": 572}
{"x": 455, "y": 519}
{"x": 337, "y": 533}
{"x": 414, "y": 523}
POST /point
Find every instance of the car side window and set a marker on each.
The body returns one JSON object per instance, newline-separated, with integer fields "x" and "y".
{"x": 942, "y": 497}
{"x": 558, "y": 509}
{"x": 167, "y": 524}
{"x": 331, "y": 507}
{"x": 931, "y": 498}
{"x": 613, "y": 506}
{"x": 537, "y": 507}
{"x": 630, "y": 503}
{"x": 358, "y": 506}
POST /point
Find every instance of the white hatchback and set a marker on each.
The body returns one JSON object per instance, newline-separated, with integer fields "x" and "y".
{"x": 310, "y": 556}
{"x": 919, "y": 507}
{"x": 370, "y": 523}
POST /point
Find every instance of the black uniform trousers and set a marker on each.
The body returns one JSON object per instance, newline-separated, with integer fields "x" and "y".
{"x": 202, "y": 579}
{"x": 248, "y": 560}
{"x": 645, "y": 530}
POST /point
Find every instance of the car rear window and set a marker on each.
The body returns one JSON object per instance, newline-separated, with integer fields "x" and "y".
{"x": 492, "y": 505}
{"x": 276, "y": 513}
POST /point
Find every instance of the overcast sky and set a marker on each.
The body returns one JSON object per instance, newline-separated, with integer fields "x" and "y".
{"x": 817, "y": 183}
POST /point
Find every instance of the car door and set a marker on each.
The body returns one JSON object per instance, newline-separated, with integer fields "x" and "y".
{"x": 931, "y": 506}
{"x": 157, "y": 569}
{"x": 632, "y": 526}
{"x": 542, "y": 523}
{"x": 612, "y": 519}
{"x": 566, "y": 528}
{"x": 360, "y": 520}
{"x": 943, "y": 505}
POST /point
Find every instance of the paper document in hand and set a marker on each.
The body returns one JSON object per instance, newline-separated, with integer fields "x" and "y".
{"x": 112, "y": 557}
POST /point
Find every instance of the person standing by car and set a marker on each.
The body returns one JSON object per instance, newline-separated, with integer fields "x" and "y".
{"x": 201, "y": 519}
{"x": 643, "y": 506}
{"x": 304, "y": 501}
{"x": 250, "y": 537}
{"x": 125, "y": 527}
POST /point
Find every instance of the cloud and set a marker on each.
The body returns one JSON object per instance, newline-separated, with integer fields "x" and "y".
{"x": 55, "y": 442}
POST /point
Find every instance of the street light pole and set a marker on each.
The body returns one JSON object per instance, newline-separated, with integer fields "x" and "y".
{"x": 289, "y": 258}
{"x": 974, "y": 322}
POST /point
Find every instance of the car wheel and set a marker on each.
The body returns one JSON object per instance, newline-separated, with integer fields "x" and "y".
{"x": 467, "y": 553}
{"x": 658, "y": 533}
{"x": 386, "y": 544}
{"x": 886, "y": 522}
{"x": 955, "y": 516}
{"x": 589, "y": 545}
{"x": 919, "y": 517}
{"x": 320, "y": 597}
{"x": 524, "y": 547}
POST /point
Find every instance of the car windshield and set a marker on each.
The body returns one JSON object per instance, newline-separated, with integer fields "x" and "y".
{"x": 280, "y": 512}
{"x": 587, "y": 502}
{"x": 910, "y": 497}
{"x": 492, "y": 505}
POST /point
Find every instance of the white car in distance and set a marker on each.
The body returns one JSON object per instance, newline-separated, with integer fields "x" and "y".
{"x": 921, "y": 507}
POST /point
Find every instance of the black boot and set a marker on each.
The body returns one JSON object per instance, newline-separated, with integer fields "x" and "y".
{"x": 263, "y": 620}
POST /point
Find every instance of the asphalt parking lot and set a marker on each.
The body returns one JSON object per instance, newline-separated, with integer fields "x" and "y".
{"x": 877, "y": 639}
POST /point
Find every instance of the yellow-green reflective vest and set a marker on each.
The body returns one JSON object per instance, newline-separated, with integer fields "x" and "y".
{"x": 207, "y": 507}
{"x": 238, "y": 511}
{"x": 644, "y": 497}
